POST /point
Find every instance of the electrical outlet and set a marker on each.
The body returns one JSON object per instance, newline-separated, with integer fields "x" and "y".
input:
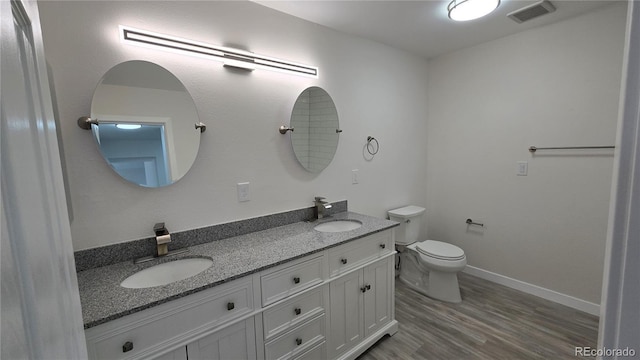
{"x": 523, "y": 168}
{"x": 243, "y": 192}
{"x": 354, "y": 176}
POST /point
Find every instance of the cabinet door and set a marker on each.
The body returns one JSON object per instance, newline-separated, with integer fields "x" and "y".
{"x": 377, "y": 297}
{"x": 234, "y": 342}
{"x": 178, "y": 354}
{"x": 346, "y": 313}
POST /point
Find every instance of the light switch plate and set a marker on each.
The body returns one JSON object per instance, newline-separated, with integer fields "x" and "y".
{"x": 243, "y": 192}
{"x": 523, "y": 168}
{"x": 354, "y": 176}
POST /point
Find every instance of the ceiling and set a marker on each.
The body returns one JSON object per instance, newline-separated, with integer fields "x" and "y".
{"x": 423, "y": 27}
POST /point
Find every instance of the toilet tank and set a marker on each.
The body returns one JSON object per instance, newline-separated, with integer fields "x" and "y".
{"x": 410, "y": 219}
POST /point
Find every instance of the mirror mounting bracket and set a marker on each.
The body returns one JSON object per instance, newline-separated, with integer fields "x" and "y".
{"x": 85, "y": 122}
{"x": 201, "y": 126}
{"x": 283, "y": 129}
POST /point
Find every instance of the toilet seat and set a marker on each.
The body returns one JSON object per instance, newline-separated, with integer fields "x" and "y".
{"x": 440, "y": 250}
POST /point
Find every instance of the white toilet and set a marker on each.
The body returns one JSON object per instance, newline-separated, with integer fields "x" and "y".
{"x": 429, "y": 267}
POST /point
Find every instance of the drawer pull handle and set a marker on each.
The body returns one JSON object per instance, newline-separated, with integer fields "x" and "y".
{"x": 363, "y": 289}
{"x": 296, "y": 280}
{"x": 231, "y": 306}
{"x": 298, "y": 311}
{"x": 298, "y": 341}
{"x": 343, "y": 261}
{"x": 368, "y": 287}
{"x": 128, "y": 346}
{"x": 382, "y": 246}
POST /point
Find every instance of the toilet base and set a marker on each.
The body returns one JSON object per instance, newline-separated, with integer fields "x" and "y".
{"x": 442, "y": 286}
{"x": 439, "y": 285}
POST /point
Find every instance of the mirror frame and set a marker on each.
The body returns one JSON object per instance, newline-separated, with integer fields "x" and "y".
{"x": 144, "y": 93}
{"x": 316, "y": 129}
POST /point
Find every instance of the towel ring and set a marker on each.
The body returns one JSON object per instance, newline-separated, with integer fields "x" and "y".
{"x": 372, "y": 149}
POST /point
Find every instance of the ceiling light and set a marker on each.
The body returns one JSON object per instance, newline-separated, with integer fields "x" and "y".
{"x": 463, "y": 10}
{"x": 128, "y": 126}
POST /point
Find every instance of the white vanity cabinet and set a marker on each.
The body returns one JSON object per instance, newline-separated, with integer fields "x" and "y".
{"x": 292, "y": 312}
{"x": 178, "y": 354}
{"x": 378, "y": 296}
{"x": 332, "y": 304}
{"x": 236, "y": 341}
{"x": 156, "y": 332}
{"x": 359, "y": 252}
{"x": 361, "y": 293}
{"x": 361, "y": 304}
{"x": 294, "y": 319}
{"x": 287, "y": 280}
{"x": 233, "y": 342}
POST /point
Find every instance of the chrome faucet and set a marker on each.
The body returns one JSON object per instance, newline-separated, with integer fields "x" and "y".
{"x": 163, "y": 238}
{"x": 321, "y": 206}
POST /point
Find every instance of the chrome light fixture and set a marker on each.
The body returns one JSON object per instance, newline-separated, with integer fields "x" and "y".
{"x": 464, "y": 10}
{"x": 228, "y": 56}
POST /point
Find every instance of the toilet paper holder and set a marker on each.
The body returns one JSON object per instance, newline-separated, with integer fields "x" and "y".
{"x": 471, "y": 222}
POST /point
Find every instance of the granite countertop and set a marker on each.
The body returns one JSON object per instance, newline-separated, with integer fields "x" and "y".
{"x": 103, "y": 299}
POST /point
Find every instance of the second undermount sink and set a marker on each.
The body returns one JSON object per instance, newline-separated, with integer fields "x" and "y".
{"x": 338, "y": 225}
{"x": 167, "y": 273}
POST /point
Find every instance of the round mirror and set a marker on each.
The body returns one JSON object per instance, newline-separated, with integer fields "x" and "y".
{"x": 314, "y": 120}
{"x": 146, "y": 118}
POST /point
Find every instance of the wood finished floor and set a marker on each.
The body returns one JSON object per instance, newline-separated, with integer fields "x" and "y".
{"x": 492, "y": 322}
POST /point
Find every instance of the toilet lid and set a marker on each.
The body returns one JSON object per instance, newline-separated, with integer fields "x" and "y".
{"x": 440, "y": 250}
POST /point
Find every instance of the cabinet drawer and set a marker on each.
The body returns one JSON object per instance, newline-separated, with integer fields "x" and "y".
{"x": 319, "y": 352}
{"x": 358, "y": 252}
{"x": 145, "y": 333}
{"x": 293, "y": 312}
{"x": 297, "y": 341}
{"x": 290, "y": 280}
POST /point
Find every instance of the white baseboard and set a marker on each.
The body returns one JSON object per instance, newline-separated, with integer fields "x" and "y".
{"x": 567, "y": 300}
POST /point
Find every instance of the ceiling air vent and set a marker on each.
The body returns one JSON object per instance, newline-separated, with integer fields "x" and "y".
{"x": 532, "y": 11}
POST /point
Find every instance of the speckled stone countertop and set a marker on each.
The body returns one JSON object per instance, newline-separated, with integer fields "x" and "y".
{"x": 103, "y": 299}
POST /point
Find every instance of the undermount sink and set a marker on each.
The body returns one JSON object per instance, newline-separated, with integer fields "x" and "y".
{"x": 167, "y": 273}
{"x": 338, "y": 225}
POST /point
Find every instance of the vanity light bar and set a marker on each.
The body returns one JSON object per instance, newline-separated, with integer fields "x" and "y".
{"x": 229, "y": 56}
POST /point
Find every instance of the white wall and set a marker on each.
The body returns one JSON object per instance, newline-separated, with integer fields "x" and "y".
{"x": 552, "y": 86}
{"x": 378, "y": 91}
{"x": 555, "y": 85}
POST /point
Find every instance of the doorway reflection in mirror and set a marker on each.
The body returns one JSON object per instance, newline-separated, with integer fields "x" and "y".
{"x": 137, "y": 152}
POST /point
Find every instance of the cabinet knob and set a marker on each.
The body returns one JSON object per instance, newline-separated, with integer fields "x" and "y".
{"x": 382, "y": 246}
{"x": 343, "y": 261}
{"x": 297, "y": 311}
{"x": 231, "y": 306}
{"x": 368, "y": 287}
{"x": 298, "y": 341}
{"x": 128, "y": 346}
{"x": 296, "y": 280}
{"x": 363, "y": 289}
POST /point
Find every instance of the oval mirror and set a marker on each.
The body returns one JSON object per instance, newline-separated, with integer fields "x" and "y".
{"x": 316, "y": 129}
{"x": 146, "y": 118}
